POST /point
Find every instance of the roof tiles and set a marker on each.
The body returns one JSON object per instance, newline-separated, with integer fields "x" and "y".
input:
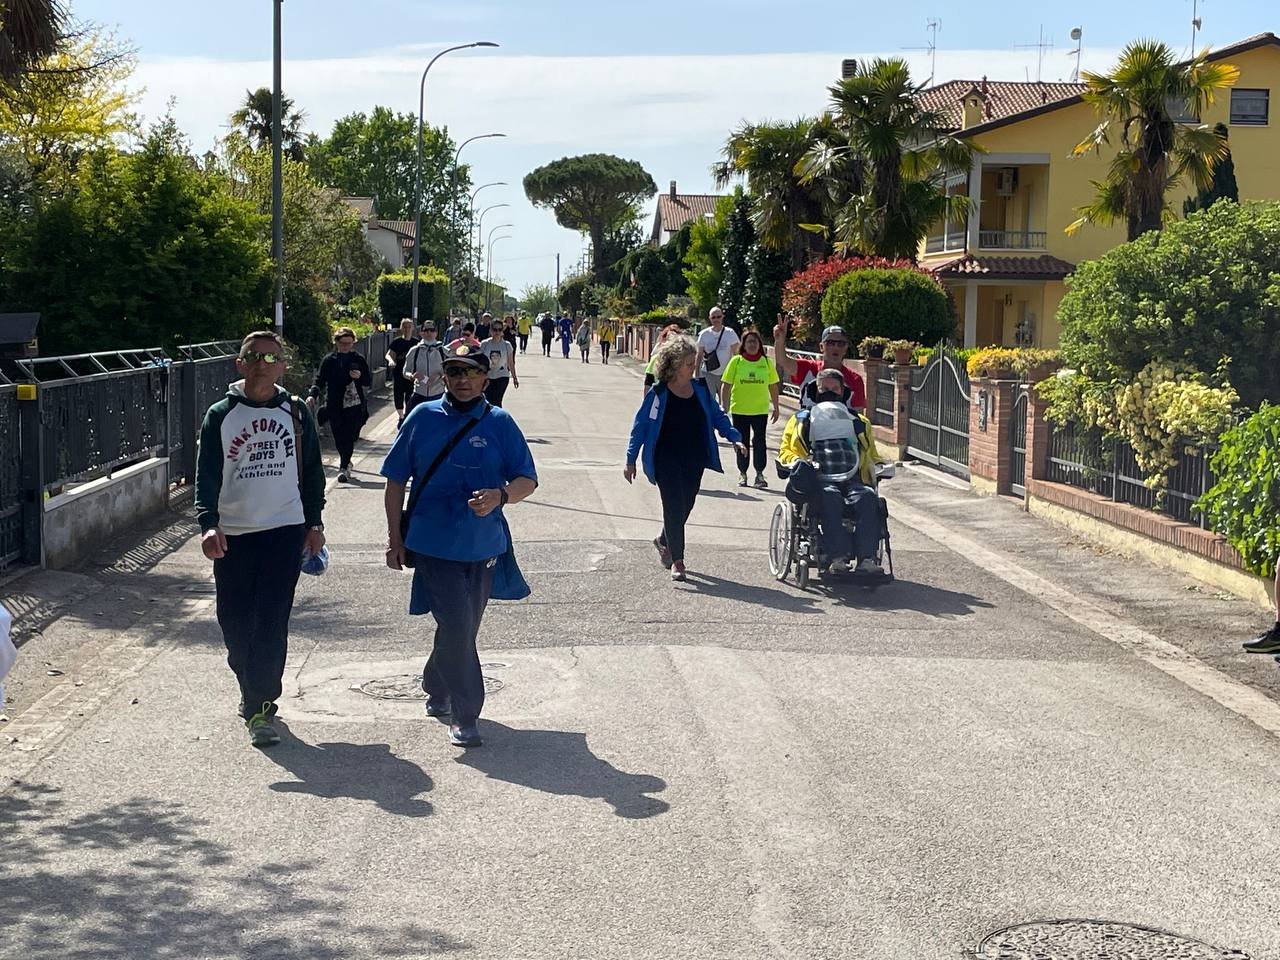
{"x": 1043, "y": 267}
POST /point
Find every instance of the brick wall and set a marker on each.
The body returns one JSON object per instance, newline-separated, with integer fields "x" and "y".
{"x": 991, "y": 435}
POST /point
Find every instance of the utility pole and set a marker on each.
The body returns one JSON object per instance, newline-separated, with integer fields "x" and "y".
{"x": 557, "y": 283}
{"x": 277, "y": 179}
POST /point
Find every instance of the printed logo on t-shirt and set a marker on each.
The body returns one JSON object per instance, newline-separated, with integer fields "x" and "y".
{"x": 261, "y": 450}
{"x": 479, "y": 442}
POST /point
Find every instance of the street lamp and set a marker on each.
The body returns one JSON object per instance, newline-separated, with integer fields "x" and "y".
{"x": 453, "y": 201}
{"x": 480, "y": 231}
{"x": 277, "y": 175}
{"x": 417, "y": 177}
{"x": 488, "y": 281}
{"x": 488, "y": 264}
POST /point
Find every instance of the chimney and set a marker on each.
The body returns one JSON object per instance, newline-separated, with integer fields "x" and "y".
{"x": 983, "y": 88}
{"x": 673, "y": 189}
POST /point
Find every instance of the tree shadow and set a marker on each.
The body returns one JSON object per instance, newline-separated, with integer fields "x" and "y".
{"x": 729, "y": 495}
{"x": 354, "y": 771}
{"x": 138, "y": 878}
{"x": 561, "y": 763}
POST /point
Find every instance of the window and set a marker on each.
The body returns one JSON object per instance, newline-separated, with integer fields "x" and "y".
{"x": 1249, "y": 107}
{"x": 1180, "y": 111}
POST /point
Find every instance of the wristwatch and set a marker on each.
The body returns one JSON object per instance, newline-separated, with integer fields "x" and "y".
{"x": 316, "y": 526}
{"x": 506, "y": 497}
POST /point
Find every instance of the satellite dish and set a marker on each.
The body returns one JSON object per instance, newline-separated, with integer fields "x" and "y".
{"x": 1076, "y": 33}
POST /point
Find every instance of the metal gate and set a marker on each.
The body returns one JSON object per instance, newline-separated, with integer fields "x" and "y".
{"x": 1018, "y": 444}
{"x": 938, "y": 417}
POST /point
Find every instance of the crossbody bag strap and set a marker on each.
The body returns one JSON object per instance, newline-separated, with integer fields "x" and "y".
{"x": 421, "y": 484}
{"x": 297, "y": 436}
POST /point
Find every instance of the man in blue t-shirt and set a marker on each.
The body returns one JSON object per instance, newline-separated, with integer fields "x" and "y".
{"x": 469, "y": 460}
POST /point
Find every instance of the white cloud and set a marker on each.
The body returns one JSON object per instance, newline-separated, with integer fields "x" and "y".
{"x": 670, "y": 112}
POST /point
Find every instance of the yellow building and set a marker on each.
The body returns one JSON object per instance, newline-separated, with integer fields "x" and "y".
{"x": 1005, "y": 266}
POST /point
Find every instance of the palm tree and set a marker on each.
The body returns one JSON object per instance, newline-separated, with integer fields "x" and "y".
{"x": 29, "y": 32}
{"x": 253, "y": 119}
{"x": 1155, "y": 152}
{"x": 889, "y": 162}
{"x": 766, "y": 154}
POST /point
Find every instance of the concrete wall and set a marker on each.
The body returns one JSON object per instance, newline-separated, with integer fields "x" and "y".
{"x": 76, "y": 522}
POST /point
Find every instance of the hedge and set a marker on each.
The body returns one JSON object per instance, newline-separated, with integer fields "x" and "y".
{"x": 900, "y": 304}
{"x": 395, "y": 296}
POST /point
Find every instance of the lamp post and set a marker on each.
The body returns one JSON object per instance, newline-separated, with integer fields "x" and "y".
{"x": 453, "y": 202}
{"x": 488, "y": 282}
{"x": 277, "y": 175}
{"x": 479, "y": 233}
{"x": 417, "y": 177}
{"x": 471, "y": 216}
{"x": 489, "y": 262}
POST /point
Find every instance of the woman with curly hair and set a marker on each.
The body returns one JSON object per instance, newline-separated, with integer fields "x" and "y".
{"x": 674, "y": 434}
{"x": 670, "y": 330}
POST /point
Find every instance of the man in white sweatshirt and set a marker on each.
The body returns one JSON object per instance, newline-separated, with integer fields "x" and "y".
{"x": 259, "y": 498}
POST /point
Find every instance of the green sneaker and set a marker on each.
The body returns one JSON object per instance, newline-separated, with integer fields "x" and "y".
{"x": 262, "y": 729}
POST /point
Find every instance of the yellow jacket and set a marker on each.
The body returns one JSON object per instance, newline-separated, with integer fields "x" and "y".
{"x": 793, "y": 448}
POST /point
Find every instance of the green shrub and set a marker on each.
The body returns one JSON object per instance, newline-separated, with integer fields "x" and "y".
{"x": 395, "y": 295}
{"x": 1200, "y": 290}
{"x": 898, "y": 304}
{"x": 306, "y": 326}
{"x": 1244, "y": 503}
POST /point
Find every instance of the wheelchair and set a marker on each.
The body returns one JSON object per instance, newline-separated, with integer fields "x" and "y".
{"x": 796, "y": 542}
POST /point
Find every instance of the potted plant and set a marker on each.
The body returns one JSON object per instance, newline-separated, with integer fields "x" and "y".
{"x": 1034, "y": 365}
{"x": 902, "y": 350}
{"x": 994, "y": 363}
{"x": 923, "y": 355}
{"x": 872, "y": 348}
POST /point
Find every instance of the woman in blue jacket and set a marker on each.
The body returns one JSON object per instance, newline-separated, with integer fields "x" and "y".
{"x": 675, "y": 428}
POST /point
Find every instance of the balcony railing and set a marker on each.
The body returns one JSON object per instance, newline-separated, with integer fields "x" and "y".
{"x": 1013, "y": 239}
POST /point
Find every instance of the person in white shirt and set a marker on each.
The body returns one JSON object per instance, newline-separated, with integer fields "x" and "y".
{"x": 716, "y": 345}
{"x": 424, "y": 365}
{"x": 502, "y": 363}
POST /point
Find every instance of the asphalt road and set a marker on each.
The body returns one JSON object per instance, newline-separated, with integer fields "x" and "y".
{"x": 1020, "y": 728}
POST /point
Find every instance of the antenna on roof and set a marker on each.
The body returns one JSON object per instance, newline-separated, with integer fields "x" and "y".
{"x": 1196, "y": 24}
{"x": 1077, "y": 34}
{"x": 934, "y": 26}
{"x": 1041, "y": 45}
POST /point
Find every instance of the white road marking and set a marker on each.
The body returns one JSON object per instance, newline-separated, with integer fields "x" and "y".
{"x": 1241, "y": 699}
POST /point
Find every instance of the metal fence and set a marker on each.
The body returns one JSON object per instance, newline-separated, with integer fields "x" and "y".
{"x": 1018, "y": 442}
{"x": 10, "y": 479}
{"x": 89, "y": 415}
{"x": 793, "y": 389}
{"x": 1108, "y": 467}
{"x": 938, "y": 413}
{"x": 886, "y": 396}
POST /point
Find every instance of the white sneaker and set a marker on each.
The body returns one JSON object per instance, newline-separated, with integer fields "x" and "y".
{"x": 838, "y": 566}
{"x": 869, "y": 566}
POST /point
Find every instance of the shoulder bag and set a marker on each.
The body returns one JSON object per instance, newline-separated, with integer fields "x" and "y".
{"x": 712, "y": 359}
{"x": 420, "y": 484}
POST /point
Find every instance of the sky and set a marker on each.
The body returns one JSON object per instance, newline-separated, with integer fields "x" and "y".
{"x": 662, "y": 83}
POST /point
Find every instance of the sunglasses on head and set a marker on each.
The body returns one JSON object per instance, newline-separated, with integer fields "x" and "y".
{"x": 254, "y": 356}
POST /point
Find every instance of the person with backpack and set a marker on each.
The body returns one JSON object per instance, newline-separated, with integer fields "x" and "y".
{"x": 342, "y": 380}
{"x": 473, "y": 461}
{"x": 716, "y": 344}
{"x": 424, "y": 366}
{"x": 259, "y": 498}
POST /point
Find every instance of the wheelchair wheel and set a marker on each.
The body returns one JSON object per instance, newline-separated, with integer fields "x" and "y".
{"x": 802, "y": 574}
{"x": 782, "y": 540}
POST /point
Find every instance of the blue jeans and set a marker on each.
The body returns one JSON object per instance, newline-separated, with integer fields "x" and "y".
{"x": 863, "y": 503}
{"x": 459, "y": 593}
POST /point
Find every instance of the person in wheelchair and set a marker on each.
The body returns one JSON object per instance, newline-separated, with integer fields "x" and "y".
{"x": 830, "y": 454}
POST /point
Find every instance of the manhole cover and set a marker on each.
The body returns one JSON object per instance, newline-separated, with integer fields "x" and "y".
{"x": 1095, "y": 940}
{"x": 408, "y": 686}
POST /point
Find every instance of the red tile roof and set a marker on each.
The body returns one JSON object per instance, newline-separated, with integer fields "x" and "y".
{"x": 406, "y": 228}
{"x": 674, "y": 212}
{"x": 1001, "y": 99}
{"x": 946, "y": 97}
{"x": 1043, "y": 267}
{"x": 363, "y": 206}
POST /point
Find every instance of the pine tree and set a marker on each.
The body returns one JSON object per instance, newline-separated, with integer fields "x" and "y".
{"x": 1224, "y": 184}
{"x": 740, "y": 237}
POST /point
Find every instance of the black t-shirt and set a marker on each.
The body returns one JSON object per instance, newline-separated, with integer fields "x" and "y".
{"x": 482, "y": 331}
{"x": 547, "y": 326}
{"x": 683, "y": 435}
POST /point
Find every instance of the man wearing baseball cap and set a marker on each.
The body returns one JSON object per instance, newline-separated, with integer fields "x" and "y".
{"x": 803, "y": 371}
{"x": 471, "y": 461}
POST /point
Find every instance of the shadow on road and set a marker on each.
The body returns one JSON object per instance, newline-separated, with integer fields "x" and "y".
{"x": 141, "y": 878}
{"x": 355, "y": 771}
{"x": 906, "y": 596}
{"x": 753, "y": 593}
{"x": 561, "y": 763}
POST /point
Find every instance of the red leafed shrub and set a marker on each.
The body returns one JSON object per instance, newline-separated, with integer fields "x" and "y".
{"x": 802, "y": 294}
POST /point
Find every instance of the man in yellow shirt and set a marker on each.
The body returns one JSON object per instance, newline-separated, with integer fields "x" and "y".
{"x": 832, "y": 455}
{"x": 524, "y": 326}
{"x": 607, "y": 334}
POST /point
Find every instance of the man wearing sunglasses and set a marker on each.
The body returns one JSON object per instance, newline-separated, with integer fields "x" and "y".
{"x": 804, "y": 371}
{"x": 468, "y": 461}
{"x": 259, "y": 497}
